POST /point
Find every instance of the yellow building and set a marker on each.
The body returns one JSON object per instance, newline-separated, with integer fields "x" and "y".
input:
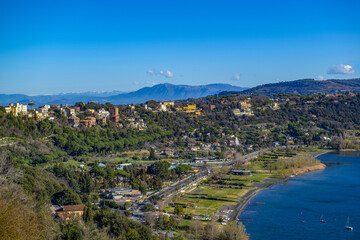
{"x": 39, "y": 116}
{"x": 275, "y": 106}
{"x": 245, "y": 108}
{"x": 190, "y": 108}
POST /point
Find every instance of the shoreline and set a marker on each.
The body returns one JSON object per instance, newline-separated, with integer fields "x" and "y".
{"x": 303, "y": 170}
{"x": 244, "y": 200}
{"x": 348, "y": 150}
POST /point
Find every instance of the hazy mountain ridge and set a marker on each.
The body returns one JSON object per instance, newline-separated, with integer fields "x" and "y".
{"x": 160, "y": 92}
{"x": 167, "y": 91}
{"x": 62, "y": 98}
{"x": 303, "y": 87}
{"x": 163, "y": 92}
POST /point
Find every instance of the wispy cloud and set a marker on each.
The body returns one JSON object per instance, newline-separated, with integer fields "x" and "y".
{"x": 151, "y": 72}
{"x": 236, "y": 77}
{"x": 165, "y": 73}
{"x": 341, "y": 69}
{"x": 319, "y": 77}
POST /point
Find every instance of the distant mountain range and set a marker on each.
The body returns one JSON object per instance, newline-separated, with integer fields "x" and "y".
{"x": 303, "y": 87}
{"x": 62, "y": 98}
{"x": 163, "y": 92}
{"x": 160, "y": 92}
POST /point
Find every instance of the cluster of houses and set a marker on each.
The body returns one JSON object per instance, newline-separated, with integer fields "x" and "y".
{"x": 245, "y": 108}
{"x": 94, "y": 117}
{"x": 41, "y": 113}
{"x": 91, "y": 117}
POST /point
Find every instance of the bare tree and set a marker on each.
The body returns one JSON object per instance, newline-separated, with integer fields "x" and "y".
{"x": 235, "y": 231}
{"x": 149, "y": 220}
{"x": 211, "y": 230}
{"x": 197, "y": 228}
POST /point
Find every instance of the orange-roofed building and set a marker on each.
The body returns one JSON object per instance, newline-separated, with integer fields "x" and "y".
{"x": 68, "y": 211}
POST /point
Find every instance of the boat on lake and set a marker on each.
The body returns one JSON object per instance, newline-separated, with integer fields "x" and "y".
{"x": 322, "y": 219}
{"x": 347, "y": 225}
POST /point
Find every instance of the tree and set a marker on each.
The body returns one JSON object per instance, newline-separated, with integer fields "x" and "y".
{"x": 127, "y": 205}
{"x": 211, "y": 230}
{"x": 171, "y": 222}
{"x": 182, "y": 169}
{"x": 88, "y": 217}
{"x": 160, "y": 169}
{"x": 197, "y": 228}
{"x": 132, "y": 234}
{"x": 165, "y": 221}
{"x": 220, "y": 173}
{"x": 127, "y": 213}
{"x": 17, "y": 221}
{"x": 142, "y": 189}
{"x": 235, "y": 231}
{"x": 220, "y": 155}
{"x": 152, "y": 155}
{"x": 148, "y": 207}
{"x": 179, "y": 237}
{"x": 149, "y": 220}
{"x": 73, "y": 230}
{"x": 179, "y": 210}
{"x": 157, "y": 184}
{"x": 31, "y": 104}
{"x": 119, "y": 225}
{"x": 66, "y": 197}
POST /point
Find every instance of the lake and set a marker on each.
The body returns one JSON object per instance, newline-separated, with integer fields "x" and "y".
{"x": 293, "y": 210}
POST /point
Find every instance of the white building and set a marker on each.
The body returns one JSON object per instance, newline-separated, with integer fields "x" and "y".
{"x": 102, "y": 113}
{"x": 44, "y": 110}
{"x": 17, "y": 109}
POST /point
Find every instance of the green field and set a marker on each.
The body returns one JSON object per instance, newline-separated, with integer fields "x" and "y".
{"x": 208, "y": 200}
{"x": 256, "y": 177}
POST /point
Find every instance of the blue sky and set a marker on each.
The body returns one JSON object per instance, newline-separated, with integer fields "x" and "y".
{"x": 48, "y": 47}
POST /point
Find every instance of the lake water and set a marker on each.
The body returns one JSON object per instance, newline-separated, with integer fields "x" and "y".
{"x": 293, "y": 210}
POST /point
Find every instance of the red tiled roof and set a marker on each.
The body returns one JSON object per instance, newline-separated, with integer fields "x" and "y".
{"x": 72, "y": 208}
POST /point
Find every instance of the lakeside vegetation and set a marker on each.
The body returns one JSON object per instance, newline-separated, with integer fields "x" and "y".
{"x": 224, "y": 189}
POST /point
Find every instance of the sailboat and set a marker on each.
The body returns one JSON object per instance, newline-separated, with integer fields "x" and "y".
{"x": 347, "y": 226}
{"x": 322, "y": 219}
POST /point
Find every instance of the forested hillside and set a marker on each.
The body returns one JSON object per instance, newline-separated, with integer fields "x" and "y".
{"x": 303, "y": 87}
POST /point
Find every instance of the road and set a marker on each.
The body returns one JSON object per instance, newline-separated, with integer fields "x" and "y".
{"x": 185, "y": 183}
